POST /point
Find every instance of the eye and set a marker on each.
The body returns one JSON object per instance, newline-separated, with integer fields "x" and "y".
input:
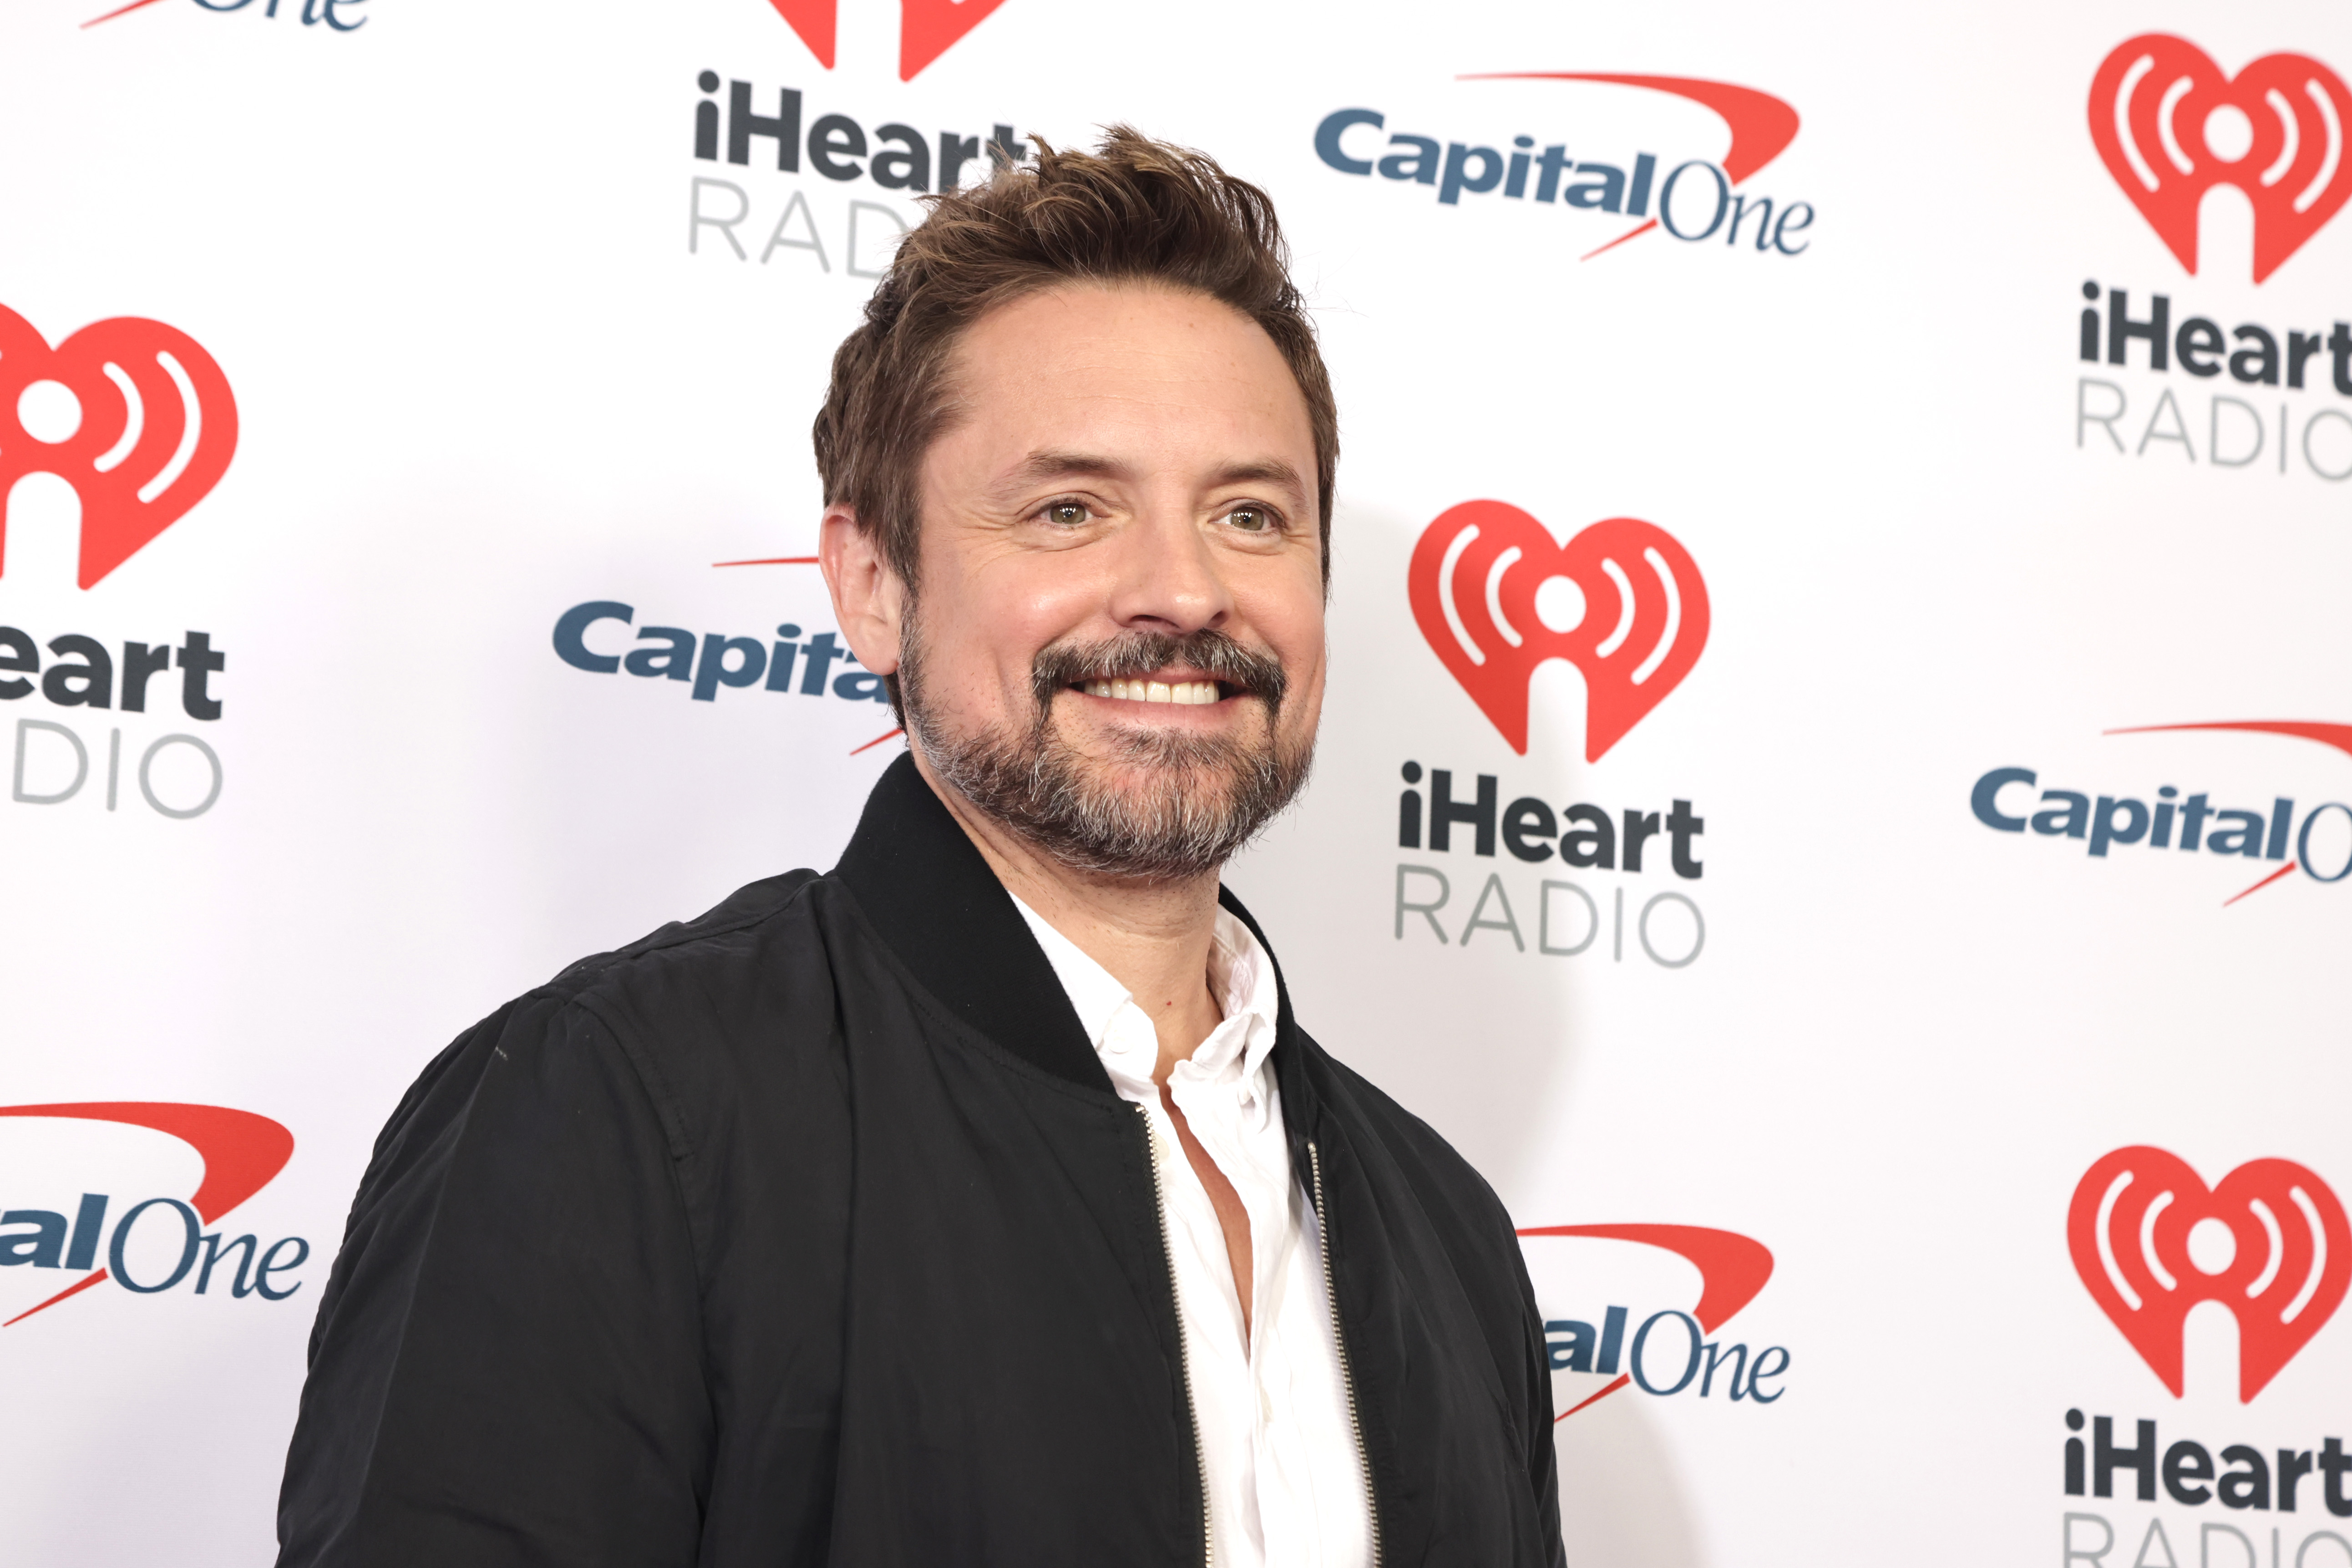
{"x": 1251, "y": 520}
{"x": 1067, "y": 513}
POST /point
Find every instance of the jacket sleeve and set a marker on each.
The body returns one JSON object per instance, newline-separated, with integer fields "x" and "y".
{"x": 1543, "y": 1464}
{"x": 507, "y": 1364}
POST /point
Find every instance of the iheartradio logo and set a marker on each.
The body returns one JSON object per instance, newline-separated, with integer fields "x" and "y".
{"x": 2151, "y": 1241}
{"x": 2170, "y": 127}
{"x": 1496, "y": 597}
{"x": 926, "y": 28}
{"x": 132, "y": 414}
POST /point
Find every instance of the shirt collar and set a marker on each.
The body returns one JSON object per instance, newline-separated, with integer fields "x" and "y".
{"x": 1241, "y": 972}
{"x": 1241, "y": 976}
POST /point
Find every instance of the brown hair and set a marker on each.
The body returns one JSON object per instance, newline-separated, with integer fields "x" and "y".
{"x": 1133, "y": 210}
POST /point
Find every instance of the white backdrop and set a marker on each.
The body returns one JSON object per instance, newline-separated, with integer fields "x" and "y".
{"x": 500, "y": 343}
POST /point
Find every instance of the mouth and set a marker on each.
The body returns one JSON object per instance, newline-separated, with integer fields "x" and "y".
{"x": 1206, "y": 671}
{"x": 1182, "y": 693}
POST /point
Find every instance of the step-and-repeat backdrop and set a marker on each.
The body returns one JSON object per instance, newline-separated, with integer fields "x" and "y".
{"x": 1835, "y": 791}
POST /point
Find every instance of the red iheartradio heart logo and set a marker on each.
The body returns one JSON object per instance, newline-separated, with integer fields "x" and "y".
{"x": 155, "y": 428}
{"x": 2170, "y": 127}
{"x": 1496, "y": 596}
{"x": 2270, "y": 1243}
{"x": 926, "y": 28}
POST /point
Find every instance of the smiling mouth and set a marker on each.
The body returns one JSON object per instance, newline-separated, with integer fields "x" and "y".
{"x": 1184, "y": 693}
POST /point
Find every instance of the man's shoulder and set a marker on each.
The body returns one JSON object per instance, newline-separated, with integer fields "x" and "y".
{"x": 727, "y": 933}
{"x": 726, "y": 1021}
{"x": 747, "y": 958}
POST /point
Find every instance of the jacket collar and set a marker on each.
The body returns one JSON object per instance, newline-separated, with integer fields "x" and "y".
{"x": 931, "y": 895}
{"x": 925, "y": 886}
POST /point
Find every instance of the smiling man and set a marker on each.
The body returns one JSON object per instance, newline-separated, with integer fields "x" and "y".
{"x": 980, "y": 1201}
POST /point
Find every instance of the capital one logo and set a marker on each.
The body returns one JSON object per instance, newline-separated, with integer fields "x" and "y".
{"x": 132, "y": 414}
{"x": 1496, "y": 597}
{"x": 242, "y": 1153}
{"x": 926, "y": 28}
{"x": 2151, "y": 1241}
{"x": 1733, "y": 1269}
{"x": 1761, "y": 127}
{"x": 2170, "y": 127}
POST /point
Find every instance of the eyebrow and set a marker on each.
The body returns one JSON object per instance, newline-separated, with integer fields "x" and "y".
{"x": 1270, "y": 470}
{"x": 1051, "y": 465}
{"x": 1055, "y": 465}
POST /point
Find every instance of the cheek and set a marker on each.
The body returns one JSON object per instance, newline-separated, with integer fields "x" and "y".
{"x": 1045, "y": 595}
{"x": 1304, "y": 710}
{"x": 1307, "y": 655}
{"x": 1024, "y": 604}
{"x": 979, "y": 651}
{"x": 1287, "y": 613}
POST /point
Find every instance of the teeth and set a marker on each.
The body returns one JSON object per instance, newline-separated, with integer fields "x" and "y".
{"x": 1188, "y": 693}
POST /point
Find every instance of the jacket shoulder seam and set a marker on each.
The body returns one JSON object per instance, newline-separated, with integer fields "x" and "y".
{"x": 598, "y": 969}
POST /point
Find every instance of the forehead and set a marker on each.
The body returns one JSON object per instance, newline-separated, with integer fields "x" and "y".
{"x": 1153, "y": 368}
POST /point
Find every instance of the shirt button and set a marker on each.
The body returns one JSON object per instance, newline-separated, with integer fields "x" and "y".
{"x": 1265, "y": 1406}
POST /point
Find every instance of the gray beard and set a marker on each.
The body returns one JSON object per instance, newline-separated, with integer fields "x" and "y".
{"x": 1202, "y": 801}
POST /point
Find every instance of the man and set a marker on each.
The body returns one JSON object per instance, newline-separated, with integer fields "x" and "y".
{"x": 980, "y": 1201}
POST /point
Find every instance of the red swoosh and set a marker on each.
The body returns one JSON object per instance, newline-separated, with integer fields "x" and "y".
{"x": 2266, "y": 881}
{"x": 241, "y": 1151}
{"x": 1629, "y": 233}
{"x": 2336, "y": 735}
{"x": 1731, "y": 1268}
{"x": 110, "y": 16}
{"x": 1761, "y": 125}
{"x": 1622, "y": 1379}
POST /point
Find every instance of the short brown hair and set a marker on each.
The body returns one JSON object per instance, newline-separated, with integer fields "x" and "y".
{"x": 1134, "y": 210}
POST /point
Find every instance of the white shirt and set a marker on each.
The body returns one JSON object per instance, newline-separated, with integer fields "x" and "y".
{"x": 1278, "y": 1448}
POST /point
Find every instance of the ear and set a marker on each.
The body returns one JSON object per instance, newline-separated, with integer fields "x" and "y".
{"x": 868, "y": 598}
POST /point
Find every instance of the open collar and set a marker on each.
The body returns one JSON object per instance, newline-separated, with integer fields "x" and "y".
{"x": 931, "y": 895}
{"x": 1239, "y": 976}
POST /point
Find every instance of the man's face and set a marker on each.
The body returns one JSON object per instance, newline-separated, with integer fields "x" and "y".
{"x": 1117, "y": 647}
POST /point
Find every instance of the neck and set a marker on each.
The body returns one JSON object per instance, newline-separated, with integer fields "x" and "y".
{"x": 1152, "y": 936}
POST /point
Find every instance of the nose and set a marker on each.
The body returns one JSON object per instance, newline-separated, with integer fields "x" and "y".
{"x": 1168, "y": 578}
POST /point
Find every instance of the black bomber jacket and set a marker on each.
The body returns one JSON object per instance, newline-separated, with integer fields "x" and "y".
{"x": 811, "y": 1231}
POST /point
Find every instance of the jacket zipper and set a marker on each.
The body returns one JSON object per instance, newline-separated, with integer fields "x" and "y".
{"x": 1183, "y": 1359}
{"x": 1340, "y": 1338}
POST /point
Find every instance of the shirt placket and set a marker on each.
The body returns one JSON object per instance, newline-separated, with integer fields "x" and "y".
{"x": 1224, "y": 1116}
{"x": 1284, "y": 1484}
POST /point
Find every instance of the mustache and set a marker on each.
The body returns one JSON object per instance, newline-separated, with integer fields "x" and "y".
{"x": 1134, "y": 654}
{"x": 1200, "y": 797}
